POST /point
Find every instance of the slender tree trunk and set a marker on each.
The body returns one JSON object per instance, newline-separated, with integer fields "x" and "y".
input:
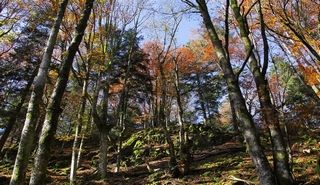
{"x": 27, "y": 135}
{"x": 173, "y": 164}
{"x": 38, "y": 132}
{"x": 184, "y": 147}
{"x": 103, "y": 127}
{"x": 53, "y": 108}
{"x": 287, "y": 137}
{"x": 123, "y": 107}
{"x": 13, "y": 117}
{"x": 80, "y": 148}
{"x": 103, "y": 158}
{"x": 76, "y": 147}
{"x": 280, "y": 156}
{"x": 156, "y": 114}
{"x": 245, "y": 119}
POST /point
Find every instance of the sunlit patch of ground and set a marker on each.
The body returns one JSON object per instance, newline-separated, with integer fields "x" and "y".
{"x": 225, "y": 164}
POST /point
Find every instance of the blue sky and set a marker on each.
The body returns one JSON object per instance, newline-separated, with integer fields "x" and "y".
{"x": 187, "y": 29}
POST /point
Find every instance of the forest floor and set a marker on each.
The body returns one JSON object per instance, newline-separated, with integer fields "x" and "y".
{"x": 227, "y": 163}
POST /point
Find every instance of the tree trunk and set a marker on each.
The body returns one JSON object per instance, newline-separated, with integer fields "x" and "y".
{"x": 100, "y": 122}
{"x": 53, "y": 108}
{"x": 13, "y": 117}
{"x": 280, "y": 156}
{"x": 173, "y": 164}
{"x": 123, "y": 107}
{"x": 76, "y": 147}
{"x": 104, "y": 129}
{"x": 235, "y": 123}
{"x": 184, "y": 147}
{"x": 103, "y": 158}
{"x": 245, "y": 119}
{"x": 27, "y": 135}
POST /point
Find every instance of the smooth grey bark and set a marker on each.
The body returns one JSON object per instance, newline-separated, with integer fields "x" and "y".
{"x": 27, "y": 135}
{"x": 53, "y": 108}
{"x": 250, "y": 134}
{"x": 270, "y": 115}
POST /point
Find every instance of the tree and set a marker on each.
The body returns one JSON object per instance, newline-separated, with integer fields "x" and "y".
{"x": 296, "y": 24}
{"x": 245, "y": 119}
{"x": 53, "y": 108}
{"x": 26, "y": 141}
{"x": 18, "y": 70}
{"x": 280, "y": 156}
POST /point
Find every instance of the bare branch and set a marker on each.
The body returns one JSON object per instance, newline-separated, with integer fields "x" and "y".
{"x": 245, "y": 62}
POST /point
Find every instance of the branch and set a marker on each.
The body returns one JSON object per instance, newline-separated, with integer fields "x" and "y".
{"x": 265, "y": 41}
{"x": 250, "y": 8}
{"x": 189, "y": 3}
{"x": 280, "y": 34}
{"x": 6, "y": 32}
{"x": 245, "y": 62}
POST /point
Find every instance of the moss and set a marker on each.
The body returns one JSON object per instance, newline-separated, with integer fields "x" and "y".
{"x": 280, "y": 156}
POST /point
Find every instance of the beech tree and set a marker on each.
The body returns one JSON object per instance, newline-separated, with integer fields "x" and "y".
{"x": 53, "y": 108}
{"x": 18, "y": 174}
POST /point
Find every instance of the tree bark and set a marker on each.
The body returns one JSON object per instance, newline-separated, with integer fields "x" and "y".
{"x": 27, "y": 135}
{"x": 13, "y": 117}
{"x": 280, "y": 156}
{"x": 235, "y": 123}
{"x": 103, "y": 127}
{"x": 53, "y": 108}
{"x": 245, "y": 119}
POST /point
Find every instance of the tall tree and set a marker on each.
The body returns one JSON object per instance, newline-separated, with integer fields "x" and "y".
{"x": 26, "y": 140}
{"x": 280, "y": 156}
{"x": 245, "y": 119}
{"x": 53, "y": 108}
